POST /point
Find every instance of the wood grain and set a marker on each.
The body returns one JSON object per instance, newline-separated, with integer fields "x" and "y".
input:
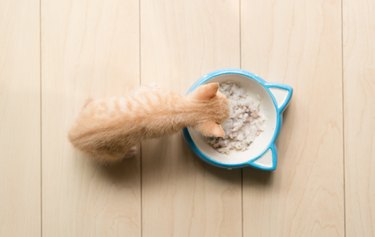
{"x": 298, "y": 43}
{"x": 19, "y": 118}
{"x": 90, "y": 49}
{"x": 101, "y": 48}
{"x": 359, "y": 90}
{"x": 182, "y": 196}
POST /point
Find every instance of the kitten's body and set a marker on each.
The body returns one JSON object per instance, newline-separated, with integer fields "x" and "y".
{"x": 110, "y": 129}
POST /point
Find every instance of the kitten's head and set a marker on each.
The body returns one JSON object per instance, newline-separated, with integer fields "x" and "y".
{"x": 214, "y": 111}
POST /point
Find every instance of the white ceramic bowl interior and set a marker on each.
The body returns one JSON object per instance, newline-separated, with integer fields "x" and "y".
{"x": 262, "y": 142}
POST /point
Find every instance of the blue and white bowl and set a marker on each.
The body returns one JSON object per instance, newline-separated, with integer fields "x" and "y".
{"x": 262, "y": 153}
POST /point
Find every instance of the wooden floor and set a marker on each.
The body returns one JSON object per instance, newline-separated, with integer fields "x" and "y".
{"x": 54, "y": 54}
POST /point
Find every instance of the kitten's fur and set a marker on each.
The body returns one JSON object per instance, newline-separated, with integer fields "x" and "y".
{"x": 110, "y": 130}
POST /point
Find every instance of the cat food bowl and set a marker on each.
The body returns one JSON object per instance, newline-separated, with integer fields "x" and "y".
{"x": 262, "y": 153}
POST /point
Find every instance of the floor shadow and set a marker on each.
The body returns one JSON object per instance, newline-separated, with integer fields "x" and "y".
{"x": 227, "y": 175}
{"x": 154, "y": 151}
{"x": 255, "y": 177}
{"x": 249, "y": 174}
{"x": 125, "y": 170}
{"x": 128, "y": 169}
{"x": 286, "y": 113}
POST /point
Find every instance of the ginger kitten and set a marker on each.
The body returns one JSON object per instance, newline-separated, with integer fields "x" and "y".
{"x": 111, "y": 129}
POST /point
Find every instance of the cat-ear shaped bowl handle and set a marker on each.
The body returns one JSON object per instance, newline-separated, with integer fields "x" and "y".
{"x": 266, "y": 161}
{"x": 281, "y": 95}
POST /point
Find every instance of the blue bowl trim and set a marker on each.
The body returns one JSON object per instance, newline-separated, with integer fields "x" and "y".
{"x": 279, "y": 109}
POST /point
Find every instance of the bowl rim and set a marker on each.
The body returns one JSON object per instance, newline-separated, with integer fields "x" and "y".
{"x": 279, "y": 110}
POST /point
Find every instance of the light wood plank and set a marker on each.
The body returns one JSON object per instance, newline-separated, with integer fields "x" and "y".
{"x": 90, "y": 49}
{"x": 19, "y": 118}
{"x": 298, "y": 43}
{"x": 181, "y": 41}
{"x": 359, "y": 116}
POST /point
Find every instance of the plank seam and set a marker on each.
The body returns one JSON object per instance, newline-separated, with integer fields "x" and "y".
{"x": 343, "y": 111}
{"x": 41, "y": 117}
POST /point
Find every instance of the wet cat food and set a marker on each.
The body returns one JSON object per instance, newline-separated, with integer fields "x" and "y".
{"x": 245, "y": 123}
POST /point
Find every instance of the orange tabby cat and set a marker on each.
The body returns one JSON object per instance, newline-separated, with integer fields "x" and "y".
{"x": 111, "y": 129}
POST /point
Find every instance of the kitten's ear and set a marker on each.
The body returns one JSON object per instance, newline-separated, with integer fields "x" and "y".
{"x": 210, "y": 129}
{"x": 206, "y": 92}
